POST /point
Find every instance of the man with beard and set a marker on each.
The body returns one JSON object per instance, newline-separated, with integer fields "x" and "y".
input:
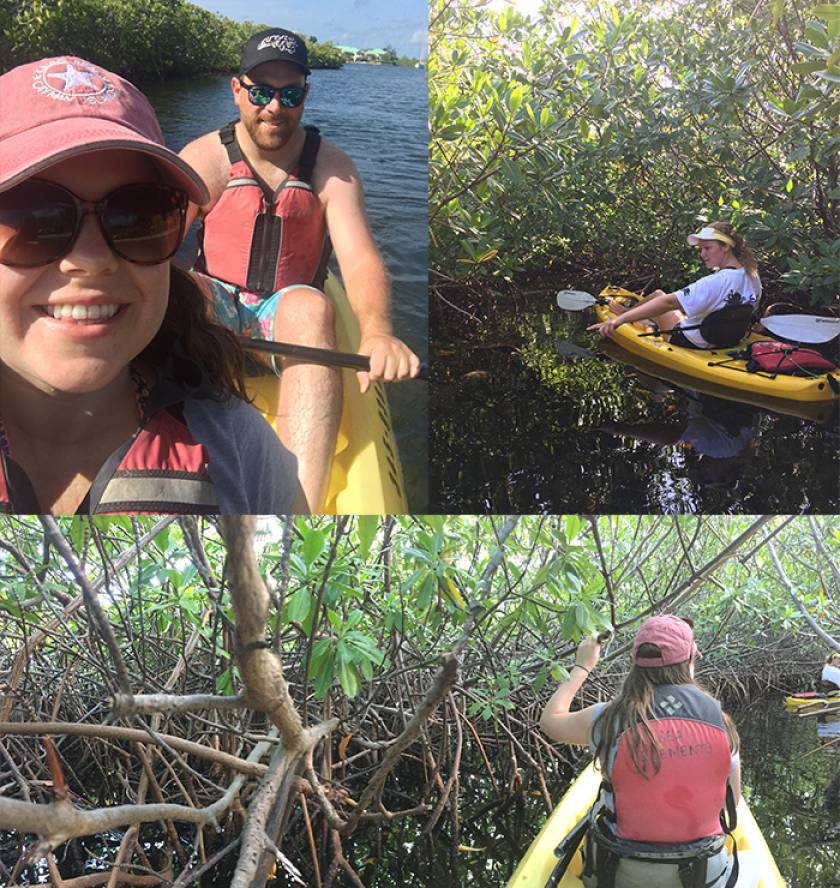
{"x": 280, "y": 198}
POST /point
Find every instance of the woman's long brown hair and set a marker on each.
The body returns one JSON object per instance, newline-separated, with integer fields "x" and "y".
{"x": 632, "y": 710}
{"x": 742, "y": 252}
{"x": 189, "y": 317}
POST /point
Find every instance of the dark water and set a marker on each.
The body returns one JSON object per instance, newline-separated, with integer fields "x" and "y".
{"x": 519, "y": 427}
{"x": 378, "y": 115}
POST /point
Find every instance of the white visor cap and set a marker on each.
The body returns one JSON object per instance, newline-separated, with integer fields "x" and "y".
{"x": 708, "y": 233}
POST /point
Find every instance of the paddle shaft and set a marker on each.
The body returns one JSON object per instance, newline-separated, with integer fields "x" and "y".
{"x": 808, "y": 329}
{"x": 312, "y": 355}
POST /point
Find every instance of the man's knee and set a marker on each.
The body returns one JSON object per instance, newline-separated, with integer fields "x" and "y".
{"x": 306, "y": 309}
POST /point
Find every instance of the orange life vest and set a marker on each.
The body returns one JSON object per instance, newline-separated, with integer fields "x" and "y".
{"x": 262, "y": 239}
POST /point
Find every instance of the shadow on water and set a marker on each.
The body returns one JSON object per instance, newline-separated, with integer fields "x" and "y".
{"x": 388, "y": 141}
{"x": 521, "y": 427}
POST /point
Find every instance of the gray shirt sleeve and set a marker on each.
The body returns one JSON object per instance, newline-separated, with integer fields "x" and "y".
{"x": 595, "y": 736}
{"x": 252, "y": 472}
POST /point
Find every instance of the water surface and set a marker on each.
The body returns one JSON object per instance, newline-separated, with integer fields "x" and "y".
{"x": 519, "y": 426}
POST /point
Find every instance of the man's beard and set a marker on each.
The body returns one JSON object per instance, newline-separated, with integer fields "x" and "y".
{"x": 265, "y": 139}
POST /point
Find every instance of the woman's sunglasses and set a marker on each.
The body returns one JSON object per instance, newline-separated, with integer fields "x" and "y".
{"x": 40, "y": 221}
{"x": 261, "y": 94}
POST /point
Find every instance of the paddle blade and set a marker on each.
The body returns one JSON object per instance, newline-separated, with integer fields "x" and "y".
{"x": 575, "y": 300}
{"x": 570, "y": 350}
{"x": 802, "y": 328}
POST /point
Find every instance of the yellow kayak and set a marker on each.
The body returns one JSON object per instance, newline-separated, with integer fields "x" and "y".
{"x": 539, "y": 861}
{"x": 794, "y": 701}
{"x": 714, "y": 366}
{"x": 814, "y": 411}
{"x": 366, "y": 476}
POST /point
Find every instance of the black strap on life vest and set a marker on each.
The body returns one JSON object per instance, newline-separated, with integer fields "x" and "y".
{"x": 728, "y": 822}
{"x": 267, "y": 235}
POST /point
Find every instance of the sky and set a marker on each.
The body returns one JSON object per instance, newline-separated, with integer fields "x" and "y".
{"x": 365, "y": 24}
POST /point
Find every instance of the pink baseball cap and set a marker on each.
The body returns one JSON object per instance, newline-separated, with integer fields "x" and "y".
{"x": 62, "y": 107}
{"x": 672, "y": 635}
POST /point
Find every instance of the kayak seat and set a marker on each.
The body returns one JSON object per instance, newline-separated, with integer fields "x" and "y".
{"x": 723, "y": 328}
{"x": 727, "y": 326}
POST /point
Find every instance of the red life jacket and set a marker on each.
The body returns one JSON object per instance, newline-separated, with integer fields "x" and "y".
{"x": 262, "y": 239}
{"x": 161, "y": 469}
{"x": 683, "y": 801}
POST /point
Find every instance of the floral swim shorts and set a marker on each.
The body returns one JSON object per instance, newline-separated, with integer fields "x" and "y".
{"x": 245, "y": 312}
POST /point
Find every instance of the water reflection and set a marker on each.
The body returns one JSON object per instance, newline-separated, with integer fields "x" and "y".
{"x": 521, "y": 427}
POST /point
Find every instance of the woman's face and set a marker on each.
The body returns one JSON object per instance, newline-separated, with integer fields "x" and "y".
{"x": 82, "y": 354}
{"x": 835, "y": 660}
{"x": 715, "y": 253}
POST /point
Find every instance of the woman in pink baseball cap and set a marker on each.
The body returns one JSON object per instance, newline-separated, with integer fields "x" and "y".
{"x": 668, "y": 755}
{"x": 733, "y": 288}
{"x": 118, "y": 393}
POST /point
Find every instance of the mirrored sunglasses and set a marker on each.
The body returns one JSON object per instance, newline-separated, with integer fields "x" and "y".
{"x": 261, "y": 94}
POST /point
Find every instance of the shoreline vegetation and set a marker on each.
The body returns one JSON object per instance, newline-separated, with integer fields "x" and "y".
{"x": 578, "y": 146}
{"x": 153, "y": 41}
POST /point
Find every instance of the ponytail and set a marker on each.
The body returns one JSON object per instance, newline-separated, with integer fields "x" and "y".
{"x": 742, "y": 252}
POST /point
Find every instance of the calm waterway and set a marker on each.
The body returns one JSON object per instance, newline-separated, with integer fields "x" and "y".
{"x": 379, "y": 115}
{"x": 519, "y": 426}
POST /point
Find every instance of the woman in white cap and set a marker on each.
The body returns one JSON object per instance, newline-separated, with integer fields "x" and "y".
{"x": 118, "y": 393}
{"x": 733, "y": 282}
{"x": 831, "y": 672}
{"x": 667, "y": 753}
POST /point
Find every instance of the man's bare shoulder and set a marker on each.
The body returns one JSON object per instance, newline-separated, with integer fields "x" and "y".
{"x": 207, "y": 156}
{"x": 333, "y": 163}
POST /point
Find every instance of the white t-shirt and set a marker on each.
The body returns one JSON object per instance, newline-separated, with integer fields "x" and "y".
{"x": 831, "y": 673}
{"x": 723, "y": 289}
{"x": 712, "y": 437}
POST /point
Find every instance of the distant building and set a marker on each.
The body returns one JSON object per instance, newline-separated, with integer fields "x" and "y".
{"x": 374, "y": 56}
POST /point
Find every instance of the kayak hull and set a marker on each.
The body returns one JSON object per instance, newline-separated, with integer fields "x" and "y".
{"x": 539, "y": 861}
{"x": 706, "y": 366}
{"x": 366, "y": 475}
{"x": 795, "y": 701}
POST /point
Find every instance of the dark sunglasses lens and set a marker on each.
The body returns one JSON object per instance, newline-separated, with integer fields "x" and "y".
{"x": 292, "y": 96}
{"x": 37, "y": 224}
{"x": 260, "y": 95}
{"x": 145, "y": 223}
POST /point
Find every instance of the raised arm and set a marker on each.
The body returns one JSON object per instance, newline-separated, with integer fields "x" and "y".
{"x": 556, "y": 721}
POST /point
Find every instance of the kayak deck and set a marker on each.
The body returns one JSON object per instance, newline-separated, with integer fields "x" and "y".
{"x": 366, "y": 475}
{"x": 715, "y": 366}
{"x": 796, "y": 701}
{"x": 539, "y": 861}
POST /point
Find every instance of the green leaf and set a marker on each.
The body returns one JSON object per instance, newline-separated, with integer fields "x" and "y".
{"x": 313, "y": 544}
{"x": 827, "y": 11}
{"x": 299, "y": 605}
{"x": 515, "y": 99}
{"x": 348, "y": 677}
{"x": 789, "y": 186}
{"x": 367, "y": 526}
{"x": 224, "y": 683}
